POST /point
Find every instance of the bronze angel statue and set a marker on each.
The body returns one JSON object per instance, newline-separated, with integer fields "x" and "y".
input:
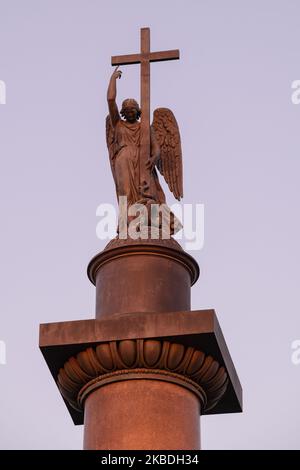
{"x": 123, "y": 134}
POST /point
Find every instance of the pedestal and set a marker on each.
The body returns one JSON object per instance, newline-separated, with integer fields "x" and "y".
{"x": 141, "y": 373}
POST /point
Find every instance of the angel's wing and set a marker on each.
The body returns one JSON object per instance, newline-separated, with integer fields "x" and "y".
{"x": 170, "y": 163}
{"x": 110, "y": 141}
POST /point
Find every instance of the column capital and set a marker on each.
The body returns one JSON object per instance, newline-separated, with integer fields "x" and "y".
{"x": 163, "y": 360}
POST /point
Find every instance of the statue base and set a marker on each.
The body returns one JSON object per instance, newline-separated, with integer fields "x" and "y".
{"x": 141, "y": 373}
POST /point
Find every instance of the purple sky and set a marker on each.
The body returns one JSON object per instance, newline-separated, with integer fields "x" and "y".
{"x": 231, "y": 94}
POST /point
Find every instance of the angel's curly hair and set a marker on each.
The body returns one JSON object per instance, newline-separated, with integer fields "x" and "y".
{"x": 130, "y": 103}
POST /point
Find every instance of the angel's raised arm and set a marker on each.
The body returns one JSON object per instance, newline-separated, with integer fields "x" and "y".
{"x": 111, "y": 97}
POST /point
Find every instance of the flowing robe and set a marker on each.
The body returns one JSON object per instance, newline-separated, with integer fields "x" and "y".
{"x": 125, "y": 163}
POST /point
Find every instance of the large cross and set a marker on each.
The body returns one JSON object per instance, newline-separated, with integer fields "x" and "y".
{"x": 144, "y": 58}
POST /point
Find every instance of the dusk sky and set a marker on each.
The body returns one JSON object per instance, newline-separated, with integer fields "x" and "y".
{"x": 231, "y": 92}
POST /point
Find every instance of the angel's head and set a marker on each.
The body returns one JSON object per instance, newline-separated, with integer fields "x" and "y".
{"x": 130, "y": 110}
